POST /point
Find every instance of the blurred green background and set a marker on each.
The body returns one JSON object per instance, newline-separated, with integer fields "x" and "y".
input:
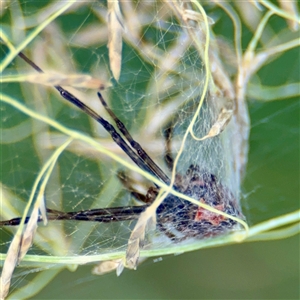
{"x": 261, "y": 270}
{"x": 249, "y": 271}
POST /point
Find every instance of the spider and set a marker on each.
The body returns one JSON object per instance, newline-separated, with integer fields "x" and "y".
{"x": 178, "y": 219}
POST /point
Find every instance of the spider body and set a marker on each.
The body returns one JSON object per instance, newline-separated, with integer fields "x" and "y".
{"x": 177, "y": 218}
{"x": 186, "y": 219}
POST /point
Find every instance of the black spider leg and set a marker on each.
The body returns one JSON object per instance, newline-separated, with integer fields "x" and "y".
{"x": 126, "y": 181}
{"x": 107, "y": 126}
{"x": 135, "y": 145}
{"x": 102, "y": 215}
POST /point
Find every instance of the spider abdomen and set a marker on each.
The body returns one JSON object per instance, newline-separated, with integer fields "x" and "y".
{"x": 179, "y": 219}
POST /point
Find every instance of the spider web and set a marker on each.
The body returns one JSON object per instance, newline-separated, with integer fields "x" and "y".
{"x": 161, "y": 83}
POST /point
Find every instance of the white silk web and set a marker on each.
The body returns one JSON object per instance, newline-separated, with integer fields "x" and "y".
{"x": 149, "y": 59}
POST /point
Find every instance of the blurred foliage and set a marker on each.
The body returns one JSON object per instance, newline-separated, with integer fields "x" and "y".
{"x": 76, "y": 43}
